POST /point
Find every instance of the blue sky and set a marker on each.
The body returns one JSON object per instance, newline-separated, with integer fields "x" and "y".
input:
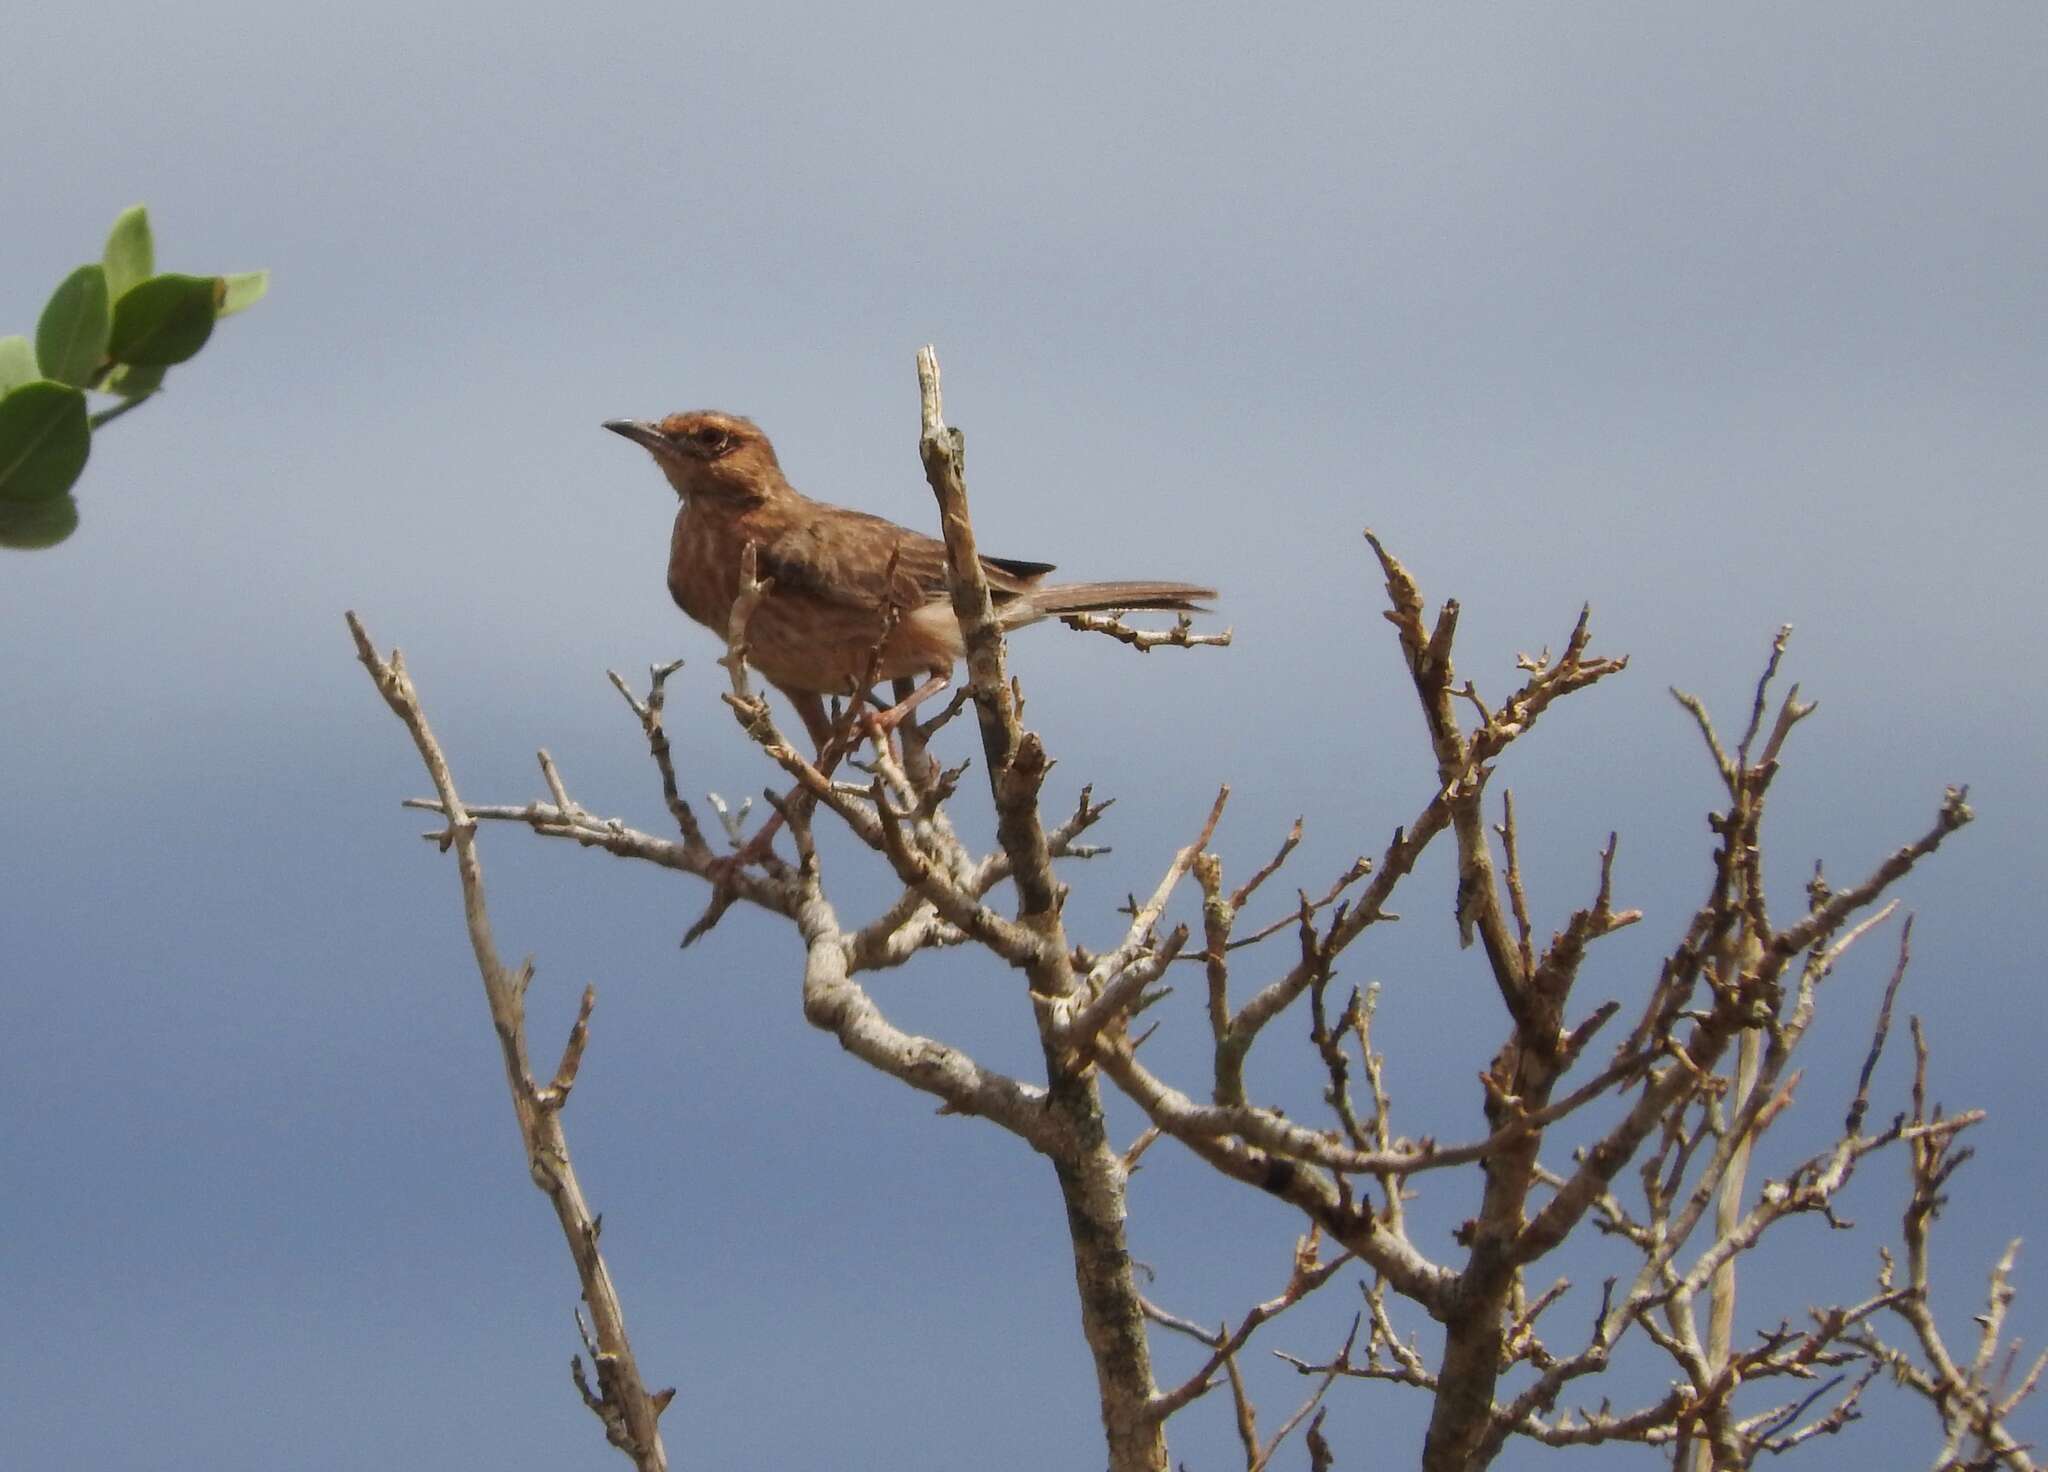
{"x": 1718, "y": 321}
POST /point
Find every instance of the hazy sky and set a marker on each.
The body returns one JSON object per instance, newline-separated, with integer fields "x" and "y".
{"x": 1718, "y": 319}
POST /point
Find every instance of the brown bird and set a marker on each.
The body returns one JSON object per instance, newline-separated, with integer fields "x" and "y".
{"x": 835, "y": 570}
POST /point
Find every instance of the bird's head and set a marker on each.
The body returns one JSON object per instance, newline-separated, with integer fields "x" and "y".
{"x": 706, "y": 453}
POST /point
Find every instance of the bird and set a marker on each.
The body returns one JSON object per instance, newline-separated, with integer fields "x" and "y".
{"x": 838, "y": 575}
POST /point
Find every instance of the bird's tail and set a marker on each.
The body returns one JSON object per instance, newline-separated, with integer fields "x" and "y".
{"x": 1052, "y": 602}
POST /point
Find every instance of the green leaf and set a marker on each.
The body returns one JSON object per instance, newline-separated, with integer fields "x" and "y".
{"x": 131, "y": 254}
{"x": 17, "y": 362}
{"x": 135, "y": 380}
{"x": 244, "y": 290}
{"x": 43, "y": 440}
{"x": 166, "y": 319}
{"x": 71, "y": 338}
{"x": 32, "y": 524}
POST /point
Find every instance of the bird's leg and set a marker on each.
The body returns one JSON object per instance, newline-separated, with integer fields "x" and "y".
{"x": 881, "y": 722}
{"x": 810, "y": 706}
{"x": 917, "y": 760}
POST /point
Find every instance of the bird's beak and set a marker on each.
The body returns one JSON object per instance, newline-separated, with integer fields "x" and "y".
{"x": 641, "y": 433}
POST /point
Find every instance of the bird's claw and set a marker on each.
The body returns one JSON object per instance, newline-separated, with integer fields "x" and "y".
{"x": 879, "y": 724}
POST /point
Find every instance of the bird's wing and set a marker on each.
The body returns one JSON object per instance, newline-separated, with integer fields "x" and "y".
{"x": 863, "y": 561}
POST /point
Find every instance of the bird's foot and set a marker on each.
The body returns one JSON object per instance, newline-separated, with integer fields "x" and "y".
{"x": 880, "y": 723}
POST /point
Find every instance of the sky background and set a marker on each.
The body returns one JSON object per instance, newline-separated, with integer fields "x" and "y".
{"x": 1717, "y": 319}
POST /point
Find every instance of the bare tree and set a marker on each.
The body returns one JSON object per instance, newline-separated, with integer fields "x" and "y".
{"x": 1701, "y": 1069}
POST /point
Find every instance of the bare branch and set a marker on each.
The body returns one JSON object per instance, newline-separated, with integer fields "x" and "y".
{"x": 1337, "y": 1367}
{"x": 1091, "y": 1176}
{"x": 631, "y": 1414}
{"x": 1181, "y": 636}
{"x": 1825, "y": 919}
{"x": 837, "y": 1004}
{"x": 1308, "y": 1275}
{"x": 1860, "y": 1105}
{"x": 649, "y": 713}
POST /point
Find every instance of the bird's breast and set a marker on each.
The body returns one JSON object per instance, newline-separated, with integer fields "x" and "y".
{"x": 703, "y": 569}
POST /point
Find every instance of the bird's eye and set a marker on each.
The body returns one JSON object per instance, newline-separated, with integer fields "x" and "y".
{"x": 711, "y": 439}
